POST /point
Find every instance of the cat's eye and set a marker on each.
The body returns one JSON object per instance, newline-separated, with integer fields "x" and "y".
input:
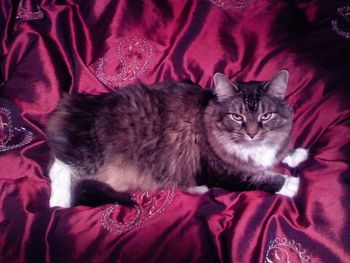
{"x": 236, "y": 117}
{"x": 265, "y": 116}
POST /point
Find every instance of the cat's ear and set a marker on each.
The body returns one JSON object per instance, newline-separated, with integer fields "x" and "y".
{"x": 278, "y": 85}
{"x": 224, "y": 88}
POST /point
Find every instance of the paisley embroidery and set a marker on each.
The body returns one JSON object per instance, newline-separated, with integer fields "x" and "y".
{"x": 28, "y": 14}
{"x": 149, "y": 205}
{"x": 132, "y": 60}
{"x": 288, "y": 251}
{"x": 12, "y": 134}
{"x": 226, "y": 4}
{"x": 342, "y": 25}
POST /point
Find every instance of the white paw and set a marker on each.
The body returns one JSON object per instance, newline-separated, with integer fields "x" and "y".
{"x": 294, "y": 159}
{"x": 60, "y": 176}
{"x": 290, "y": 187}
{"x": 197, "y": 190}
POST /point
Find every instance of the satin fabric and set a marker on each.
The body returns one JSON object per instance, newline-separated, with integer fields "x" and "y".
{"x": 49, "y": 48}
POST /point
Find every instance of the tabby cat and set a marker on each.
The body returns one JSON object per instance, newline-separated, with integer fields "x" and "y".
{"x": 172, "y": 134}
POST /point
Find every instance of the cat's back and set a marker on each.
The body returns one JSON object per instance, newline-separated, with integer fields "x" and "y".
{"x": 161, "y": 112}
{"x": 156, "y": 106}
{"x": 84, "y": 126}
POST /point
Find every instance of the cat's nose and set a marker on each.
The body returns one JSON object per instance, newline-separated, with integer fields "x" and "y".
{"x": 251, "y": 129}
{"x": 251, "y": 134}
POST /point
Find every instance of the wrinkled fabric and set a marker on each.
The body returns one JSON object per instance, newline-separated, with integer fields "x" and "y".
{"x": 52, "y": 47}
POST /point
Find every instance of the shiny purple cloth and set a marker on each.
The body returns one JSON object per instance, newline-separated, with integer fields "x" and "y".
{"x": 51, "y": 47}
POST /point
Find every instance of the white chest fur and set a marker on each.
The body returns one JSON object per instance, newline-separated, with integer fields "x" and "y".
{"x": 260, "y": 155}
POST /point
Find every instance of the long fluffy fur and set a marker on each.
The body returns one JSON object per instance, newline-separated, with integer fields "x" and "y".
{"x": 170, "y": 134}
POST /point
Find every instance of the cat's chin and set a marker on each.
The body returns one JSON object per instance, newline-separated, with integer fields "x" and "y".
{"x": 250, "y": 142}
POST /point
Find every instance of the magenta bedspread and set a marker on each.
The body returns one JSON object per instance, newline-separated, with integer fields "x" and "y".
{"x": 51, "y": 47}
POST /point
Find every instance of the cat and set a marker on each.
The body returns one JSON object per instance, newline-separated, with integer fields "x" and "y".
{"x": 173, "y": 134}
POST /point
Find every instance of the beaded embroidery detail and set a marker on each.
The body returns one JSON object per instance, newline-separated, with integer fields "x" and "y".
{"x": 344, "y": 12}
{"x": 148, "y": 205}
{"x": 12, "y": 137}
{"x": 285, "y": 250}
{"x": 132, "y": 60}
{"x": 227, "y": 4}
{"x": 5, "y": 122}
{"x": 26, "y": 15}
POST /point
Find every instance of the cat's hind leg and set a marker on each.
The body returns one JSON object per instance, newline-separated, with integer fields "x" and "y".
{"x": 60, "y": 175}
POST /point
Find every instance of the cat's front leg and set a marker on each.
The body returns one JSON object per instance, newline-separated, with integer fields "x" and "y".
{"x": 290, "y": 187}
{"x": 294, "y": 158}
{"x": 275, "y": 183}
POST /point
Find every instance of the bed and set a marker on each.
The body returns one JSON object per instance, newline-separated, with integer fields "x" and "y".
{"x": 49, "y": 48}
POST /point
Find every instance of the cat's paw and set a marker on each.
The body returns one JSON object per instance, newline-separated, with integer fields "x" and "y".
{"x": 290, "y": 187}
{"x": 295, "y": 158}
{"x": 197, "y": 190}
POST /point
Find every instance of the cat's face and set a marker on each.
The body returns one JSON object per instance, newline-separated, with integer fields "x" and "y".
{"x": 252, "y": 113}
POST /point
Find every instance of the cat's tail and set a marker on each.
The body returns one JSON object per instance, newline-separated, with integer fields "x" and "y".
{"x": 95, "y": 193}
